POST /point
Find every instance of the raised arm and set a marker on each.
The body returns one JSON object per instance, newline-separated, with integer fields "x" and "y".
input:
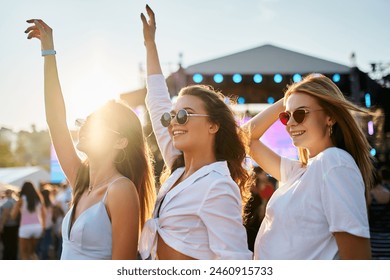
{"x": 149, "y": 29}
{"x": 158, "y": 100}
{"x": 54, "y": 102}
{"x": 267, "y": 159}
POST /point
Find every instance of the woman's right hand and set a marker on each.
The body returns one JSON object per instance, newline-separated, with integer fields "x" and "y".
{"x": 42, "y": 32}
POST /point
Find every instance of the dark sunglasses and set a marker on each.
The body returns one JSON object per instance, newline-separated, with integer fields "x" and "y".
{"x": 181, "y": 117}
{"x": 298, "y": 115}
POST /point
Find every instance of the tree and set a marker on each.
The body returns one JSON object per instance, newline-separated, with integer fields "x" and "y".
{"x": 6, "y": 156}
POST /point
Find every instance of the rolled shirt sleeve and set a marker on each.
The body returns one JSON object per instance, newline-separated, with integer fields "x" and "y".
{"x": 158, "y": 102}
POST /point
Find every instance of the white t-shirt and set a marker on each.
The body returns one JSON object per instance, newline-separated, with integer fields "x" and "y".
{"x": 201, "y": 216}
{"x": 311, "y": 203}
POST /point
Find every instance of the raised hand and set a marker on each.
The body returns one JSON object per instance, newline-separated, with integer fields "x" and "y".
{"x": 42, "y": 32}
{"x": 149, "y": 25}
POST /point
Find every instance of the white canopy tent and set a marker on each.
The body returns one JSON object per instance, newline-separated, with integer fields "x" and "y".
{"x": 14, "y": 177}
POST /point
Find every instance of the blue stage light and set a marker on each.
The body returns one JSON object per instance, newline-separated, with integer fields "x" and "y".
{"x": 218, "y": 78}
{"x": 257, "y": 78}
{"x": 297, "y": 78}
{"x": 237, "y": 78}
{"x": 270, "y": 100}
{"x": 336, "y": 78}
{"x": 367, "y": 98}
{"x": 197, "y": 78}
{"x": 278, "y": 78}
{"x": 241, "y": 100}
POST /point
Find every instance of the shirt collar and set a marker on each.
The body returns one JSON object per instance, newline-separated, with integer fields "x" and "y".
{"x": 219, "y": 166}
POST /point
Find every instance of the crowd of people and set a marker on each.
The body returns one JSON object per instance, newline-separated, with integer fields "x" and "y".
{"x": 330, "y": 203}
{"x": 31, "y": 220}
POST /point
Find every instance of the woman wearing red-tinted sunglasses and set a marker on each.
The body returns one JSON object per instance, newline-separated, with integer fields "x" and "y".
{"x": 319, "y": 210}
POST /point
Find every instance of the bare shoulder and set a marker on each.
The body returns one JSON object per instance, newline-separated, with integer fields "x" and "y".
{"x": 122, "y": 189}
{"x": 122, "y": 199}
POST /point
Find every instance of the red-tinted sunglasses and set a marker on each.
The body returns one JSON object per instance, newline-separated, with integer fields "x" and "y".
{"x": 298, "y": 115}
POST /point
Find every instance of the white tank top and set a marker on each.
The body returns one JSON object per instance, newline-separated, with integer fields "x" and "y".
{"x": 90, "y": 237}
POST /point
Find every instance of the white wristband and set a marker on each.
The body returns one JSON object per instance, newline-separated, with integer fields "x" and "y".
{"x": 48, "y": 52}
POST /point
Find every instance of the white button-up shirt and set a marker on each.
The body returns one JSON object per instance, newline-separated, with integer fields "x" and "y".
{"x": 201, "y": 216}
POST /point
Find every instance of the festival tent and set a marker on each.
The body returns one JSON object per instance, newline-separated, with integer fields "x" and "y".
{"x": 14, "y": 177}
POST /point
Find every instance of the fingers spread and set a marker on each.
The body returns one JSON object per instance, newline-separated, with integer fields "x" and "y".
{"x": 151, "y": 15}
{"x": 149, "y": 10}
{"x": 37, "y": 25}
{"x": 34, "y": 34}
{"x": 29, "y": 29}
{"x": 143, "y": 18}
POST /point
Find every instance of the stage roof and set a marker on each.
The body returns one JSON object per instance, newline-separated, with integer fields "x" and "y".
{"x": 267, "y": 59}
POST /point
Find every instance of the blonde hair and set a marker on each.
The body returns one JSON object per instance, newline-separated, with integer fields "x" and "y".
{"x": 347, "y": 134}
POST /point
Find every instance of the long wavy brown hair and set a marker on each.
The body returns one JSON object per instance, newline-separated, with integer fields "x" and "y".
{"x": 137, "y": 164}
{"x": 231, "y": 141}
{"x": 347, "y": 134}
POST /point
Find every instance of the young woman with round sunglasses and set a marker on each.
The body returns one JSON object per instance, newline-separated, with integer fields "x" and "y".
{"x": 319, "y": 210}
{"x": 198, "y": 213}
{"x": 113, "y": 191}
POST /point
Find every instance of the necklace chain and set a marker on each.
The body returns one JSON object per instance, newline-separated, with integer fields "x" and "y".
{"x": 90, "y": 188}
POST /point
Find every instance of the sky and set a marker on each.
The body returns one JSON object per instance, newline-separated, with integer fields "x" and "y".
{"x": 100, "y": 51}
